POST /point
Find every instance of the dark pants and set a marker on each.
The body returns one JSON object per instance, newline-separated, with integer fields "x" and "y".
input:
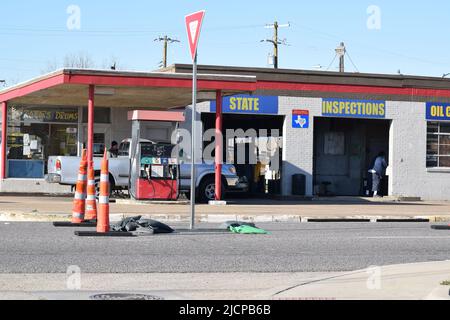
{"x": 376, "y": 181}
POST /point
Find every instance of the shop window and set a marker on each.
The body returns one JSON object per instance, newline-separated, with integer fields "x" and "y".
{"x": 36, "y": 133}
{"x": 101, "y": 115}
{"x": 438, "y": 145}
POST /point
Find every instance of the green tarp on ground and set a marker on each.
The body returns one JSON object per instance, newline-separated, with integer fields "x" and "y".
{"x": 244, "y": 229}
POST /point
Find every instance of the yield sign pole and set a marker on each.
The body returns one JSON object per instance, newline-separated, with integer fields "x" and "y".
{"x": 194, "y": 23}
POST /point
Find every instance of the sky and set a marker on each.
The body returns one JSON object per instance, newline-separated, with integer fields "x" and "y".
{"x": 381, "y": 36}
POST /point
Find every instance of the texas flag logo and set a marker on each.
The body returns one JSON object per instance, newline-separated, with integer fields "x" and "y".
{"x": 300, "y": 119}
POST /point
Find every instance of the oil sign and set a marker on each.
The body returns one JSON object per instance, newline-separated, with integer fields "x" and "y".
{"x": 438, "y": 111}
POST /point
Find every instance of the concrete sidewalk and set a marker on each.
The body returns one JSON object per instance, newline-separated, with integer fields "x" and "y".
{"x": 57, "y": 208}
{"x": 421, "y": 281}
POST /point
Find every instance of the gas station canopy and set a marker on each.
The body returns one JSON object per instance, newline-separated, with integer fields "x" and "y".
{"x": 69, "y": 87}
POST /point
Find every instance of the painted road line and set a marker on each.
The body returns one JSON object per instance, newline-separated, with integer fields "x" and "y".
{"x": 405, "y": 237}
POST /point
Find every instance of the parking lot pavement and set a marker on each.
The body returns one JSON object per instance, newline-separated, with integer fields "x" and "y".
{"x": 239, "y": 208}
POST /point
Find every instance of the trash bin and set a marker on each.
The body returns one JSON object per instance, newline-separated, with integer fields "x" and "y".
{"x": 299, "y": 185}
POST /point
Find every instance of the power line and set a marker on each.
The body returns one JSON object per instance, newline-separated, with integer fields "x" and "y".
{"x": 334, "y": 59}
{"x": 354, "y": 66}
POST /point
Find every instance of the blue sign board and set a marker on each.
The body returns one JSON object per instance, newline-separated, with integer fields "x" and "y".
{"x": 438, "y": 111}
{"x": 248, "y": 104}
{"x": 300, "y": 119}
{"x": 354, "y": 108}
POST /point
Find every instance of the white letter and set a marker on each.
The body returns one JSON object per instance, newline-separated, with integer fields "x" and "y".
{"x": 374, "y": 280}
{"x": 74, "y": 19}
{"x": 374, "y": 20}
{"x": 73, "y": 278}
{"x": 182, "y": 139}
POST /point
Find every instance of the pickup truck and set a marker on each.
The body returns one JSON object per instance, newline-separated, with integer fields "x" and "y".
{"x": 64, "y": 170}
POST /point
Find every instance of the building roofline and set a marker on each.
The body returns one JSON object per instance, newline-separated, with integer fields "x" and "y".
{"x": 312, "y": 76}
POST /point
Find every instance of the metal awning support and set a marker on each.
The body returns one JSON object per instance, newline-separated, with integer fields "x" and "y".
{"x": 219, "y": 145}
{"x": 90, "y": 139}
{"x": 4, "y": 106}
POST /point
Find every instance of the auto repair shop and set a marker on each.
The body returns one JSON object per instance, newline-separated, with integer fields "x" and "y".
{"x": 334, "y": 124}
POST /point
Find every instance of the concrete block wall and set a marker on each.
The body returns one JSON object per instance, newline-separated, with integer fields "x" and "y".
{"x": 408, "y": 146}
{"x": 298, "y": 144}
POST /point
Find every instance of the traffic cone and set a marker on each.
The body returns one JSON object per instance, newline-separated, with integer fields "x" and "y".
{"x": 79, "y": 201}
{"x": 91, "y": 201}
{"x": 103, "y": 229}
{"x": 103, "y": 201}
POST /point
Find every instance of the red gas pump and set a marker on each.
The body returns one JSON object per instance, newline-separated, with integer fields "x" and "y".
{"x": 154, "y": 173}
{"x": 158, "y": 172}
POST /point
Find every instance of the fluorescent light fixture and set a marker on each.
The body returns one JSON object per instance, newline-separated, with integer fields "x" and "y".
{"x": 104, "y": 91}
{"x": 206, "y": 96}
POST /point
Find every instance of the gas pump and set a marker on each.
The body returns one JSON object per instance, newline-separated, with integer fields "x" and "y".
{"x": 156, "y": 172}
{"x": 154, "y": 169}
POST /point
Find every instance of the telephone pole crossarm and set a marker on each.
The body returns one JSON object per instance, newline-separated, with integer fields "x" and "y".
{"x": 275, "y": 41}
{"x": 166, "y": 40}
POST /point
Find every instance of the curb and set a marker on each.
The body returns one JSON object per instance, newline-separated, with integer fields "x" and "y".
{"x": 219, "y": 218}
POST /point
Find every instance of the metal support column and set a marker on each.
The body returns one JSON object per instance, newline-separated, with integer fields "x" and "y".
{"x": 4, "y": 140}
{"x": 90, "y": 137}
{"x": 219, "y": 145}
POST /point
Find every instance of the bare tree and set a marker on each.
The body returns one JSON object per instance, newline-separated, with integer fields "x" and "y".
{"x": 51, "y": 66}
{"x": 80, "y": 61}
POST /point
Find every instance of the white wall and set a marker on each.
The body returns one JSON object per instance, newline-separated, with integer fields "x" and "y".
{"x": 120, "y": 125}
{"x": 201, "y": 107}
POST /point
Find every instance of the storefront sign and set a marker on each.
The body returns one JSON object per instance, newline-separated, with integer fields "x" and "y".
{"x": 248, "y": 104}
{"x": 30, "y": 114}
{"x": 354, "y": 108}
{"x": 300, "y": 119}
{"x": 438, "y": 111}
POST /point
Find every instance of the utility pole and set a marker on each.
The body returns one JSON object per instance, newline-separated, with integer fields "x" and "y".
{"x": 166, "y": 40}
{"x": 275, "y": 41}
{"x": 340, "y": 51}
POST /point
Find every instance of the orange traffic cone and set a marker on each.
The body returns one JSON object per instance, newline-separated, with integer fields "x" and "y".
{"x": 79, "y": 202}
{"x": 103, "y": 201}
{"x": 103, "y": 229}
{"x": 91, "y": 201}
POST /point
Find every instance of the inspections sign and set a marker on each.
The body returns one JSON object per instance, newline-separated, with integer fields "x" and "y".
{"x": 354, "y": 108}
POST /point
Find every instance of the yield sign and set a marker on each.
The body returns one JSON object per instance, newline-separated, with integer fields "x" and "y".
{"x": 194, "y": 25}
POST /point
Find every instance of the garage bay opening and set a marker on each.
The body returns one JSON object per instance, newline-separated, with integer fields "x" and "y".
{"x": 344, "y": 151}
{"x": 257, "y": 156}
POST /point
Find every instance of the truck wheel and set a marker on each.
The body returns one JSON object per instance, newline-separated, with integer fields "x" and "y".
{"x": 207, "y": 190}
{"x": 111, "y": 187}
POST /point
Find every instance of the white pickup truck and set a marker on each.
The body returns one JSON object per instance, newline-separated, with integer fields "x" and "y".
{"x": 64, "y": 170}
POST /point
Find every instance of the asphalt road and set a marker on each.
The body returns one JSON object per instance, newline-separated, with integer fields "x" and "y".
{"x": 312, "y": 247}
